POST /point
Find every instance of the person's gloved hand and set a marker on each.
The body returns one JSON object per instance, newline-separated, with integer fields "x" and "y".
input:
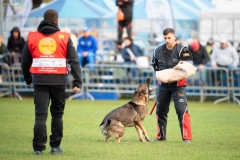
{"x": 230, "y": 68}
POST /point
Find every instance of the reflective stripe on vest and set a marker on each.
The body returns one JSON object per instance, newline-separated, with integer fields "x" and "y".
{"x": 49, "y": 52}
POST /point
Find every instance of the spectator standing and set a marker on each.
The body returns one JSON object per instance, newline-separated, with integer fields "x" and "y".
{"x": 15, "y": 46}
{"x": 129, "y": 54}
{"x": 87, "y": 47}
{"x": 200, "y": 58}
{"x": 44, "y": 64}
{"x": 124, "y": 19}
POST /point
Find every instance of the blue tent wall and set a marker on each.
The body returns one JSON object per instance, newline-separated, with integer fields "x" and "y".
{"x": 98, "y": 14}
{"x": 73, "y": 9}
{"x": 139, "y": 9}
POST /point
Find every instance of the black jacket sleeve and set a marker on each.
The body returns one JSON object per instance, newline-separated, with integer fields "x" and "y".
{"x": 74, "y": 64}
{"x": 155, "y": 61}
{"x": 125, "y": 55}
{"x": 205, "y": 55}
{"x": 9, "y": 47}
{"x": 26, "y": 61}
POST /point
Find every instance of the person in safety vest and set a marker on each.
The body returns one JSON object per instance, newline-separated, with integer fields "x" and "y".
{"x": 44, "y": 65}
{"x": 167, "y": 56}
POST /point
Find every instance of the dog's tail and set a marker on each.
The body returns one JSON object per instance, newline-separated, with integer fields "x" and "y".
{"x": 105, "y": 124}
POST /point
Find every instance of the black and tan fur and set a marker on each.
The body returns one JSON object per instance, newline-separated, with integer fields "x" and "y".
{"x": 128, "y": 115}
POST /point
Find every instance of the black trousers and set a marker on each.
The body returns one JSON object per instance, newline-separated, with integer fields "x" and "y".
{"x": 121, "y": 25}
{"x": 164, "y": 95}
{"x": 42, "y": 96}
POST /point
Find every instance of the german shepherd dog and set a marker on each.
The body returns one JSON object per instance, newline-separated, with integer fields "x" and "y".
{"x": 128, "y": 115}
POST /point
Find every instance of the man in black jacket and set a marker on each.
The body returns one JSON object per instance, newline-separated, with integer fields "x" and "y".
{"x": 200, "y": 58}
{"x": 167, "y": 56}
{"x": 125, "y": 7}
{"x": 44, "y": 64}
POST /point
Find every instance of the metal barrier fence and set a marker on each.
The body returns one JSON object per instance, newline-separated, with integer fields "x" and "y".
{"x": 19, "y": 85}
{"x": 122, "y": 79}
{"x": 217, "y": 84}
{"x": 5, "y": 85}
{"x": 84, "y": 92}
{"x": 235, "y": 85}
{"x": 13, "y": 81}
{"x": 118, "y": 79}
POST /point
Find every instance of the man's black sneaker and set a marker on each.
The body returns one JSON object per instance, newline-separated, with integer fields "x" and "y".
{"x": 187, "y": 141}
{"x": 37, "y": 152}
{"x": 56, "y": 150}
{"x": 158, "y": 140}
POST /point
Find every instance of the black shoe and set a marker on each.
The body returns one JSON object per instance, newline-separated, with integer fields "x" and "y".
{"x": 158, "y": 140}
{"x": 56, "y": 150}
{"x": 187, "y": 141}
{"x": 37, "y": 152}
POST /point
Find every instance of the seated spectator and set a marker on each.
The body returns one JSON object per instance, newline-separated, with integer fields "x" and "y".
{"x": 129, "y": 53}
{"x": 224, "y": 55}
{"x": 87, "y": 47}
{"x": 178, "y": 41}
{"x": 3, "y": 52}
{"x": 200, "y": 58}
{"x": 15, "y": 45}
{"x": 72, "y": 36}
{"x": 107, "y": 50}
{"x": 209, "y": 46}
{"x": 238, "y": 49}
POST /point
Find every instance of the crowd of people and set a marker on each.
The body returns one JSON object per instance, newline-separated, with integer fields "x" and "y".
{"x": 212, "y": 54}
{"x": 87, "y": 46}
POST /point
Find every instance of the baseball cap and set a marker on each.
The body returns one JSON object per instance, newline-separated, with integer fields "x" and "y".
{"x": 86, "y": 29}
{"x": 223, "y": 40}
{"x": 210, "y": 40}
{"x": 195, "y": 45}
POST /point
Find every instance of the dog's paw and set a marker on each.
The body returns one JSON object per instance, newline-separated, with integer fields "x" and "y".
{"x": 142, "y": 140}
{"x": 147, "y": 139}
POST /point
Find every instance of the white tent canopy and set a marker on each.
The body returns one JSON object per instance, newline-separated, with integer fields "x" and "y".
{"x": 228, "y": 10}
{"x": 222, "y": 21}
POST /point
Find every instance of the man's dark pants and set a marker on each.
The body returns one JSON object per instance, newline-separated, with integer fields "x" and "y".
{"x": 121, "y": 25}
{"x": 42, "y": 96}
{"x": 164, "y": 95}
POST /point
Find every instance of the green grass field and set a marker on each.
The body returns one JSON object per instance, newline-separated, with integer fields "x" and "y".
{"x": 216, "y": 133}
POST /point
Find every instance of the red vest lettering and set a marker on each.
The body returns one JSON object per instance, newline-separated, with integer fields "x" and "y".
{"x": 49, "y": 52}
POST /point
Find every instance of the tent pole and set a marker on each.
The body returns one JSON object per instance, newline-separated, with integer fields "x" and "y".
{"x": 170, "y": 4}
{"x": 1, "y": 17}
{"x": 212, "y": 32}
{"x": 233, "y": 31}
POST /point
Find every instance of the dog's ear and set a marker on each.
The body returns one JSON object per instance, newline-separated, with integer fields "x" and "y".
{"x": 144, "y": 92}
{"x": 135, "y": 92}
